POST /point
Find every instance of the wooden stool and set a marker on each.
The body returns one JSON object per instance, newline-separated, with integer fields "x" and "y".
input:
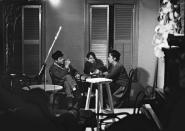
{"x": 99, "y": 96}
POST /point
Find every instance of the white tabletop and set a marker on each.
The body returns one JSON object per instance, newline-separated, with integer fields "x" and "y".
{"x": 98, "y": 80}
{"x": 47, "y": 87}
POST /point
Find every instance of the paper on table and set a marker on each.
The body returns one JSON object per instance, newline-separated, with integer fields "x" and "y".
{"x": 97, "y": 80}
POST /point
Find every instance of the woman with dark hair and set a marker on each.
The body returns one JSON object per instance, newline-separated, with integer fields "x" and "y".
{"x": 93, "y": 65}
{"x": 118, "y": 74}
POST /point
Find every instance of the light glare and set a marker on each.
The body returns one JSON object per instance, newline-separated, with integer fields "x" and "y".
{"x": 55, "y": 2}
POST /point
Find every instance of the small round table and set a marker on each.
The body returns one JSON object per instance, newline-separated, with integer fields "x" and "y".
{"x": 46, "y": 87}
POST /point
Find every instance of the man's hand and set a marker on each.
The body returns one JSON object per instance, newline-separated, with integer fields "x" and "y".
{"x": 95, "y": 72}
{"x": 77, "y": 76}
{"x": 67, "y": 63}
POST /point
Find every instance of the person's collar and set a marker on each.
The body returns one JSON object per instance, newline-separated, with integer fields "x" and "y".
{"x": 114, "y": 63}
{"x": 55, "y": 63}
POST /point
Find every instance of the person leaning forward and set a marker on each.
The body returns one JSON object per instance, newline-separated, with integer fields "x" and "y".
{"x": 118, "y": 74}
{"x": 93, "y": 65}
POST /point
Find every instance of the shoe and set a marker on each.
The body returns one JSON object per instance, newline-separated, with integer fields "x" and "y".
{"x": 70, "y": 105}
{"x": 70, "y": 102}
{"x": 107, "y": 111}
{"x": 74, "y": 88}
{"x": 76, "y": 94}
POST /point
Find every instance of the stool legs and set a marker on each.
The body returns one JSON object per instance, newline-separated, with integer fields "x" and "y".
{"x": 99, "y": 100}
{"x": 110, "y": 98}
{"x": 99, "y": 104}
{"x": 98, "y": 107}
{"x": 97, "y": 93}
{"x": 101, "y": 97}
{"x": 88, "y": 97}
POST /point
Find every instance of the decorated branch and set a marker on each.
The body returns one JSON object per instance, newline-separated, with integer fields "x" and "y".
{"x": 169, "y": 23}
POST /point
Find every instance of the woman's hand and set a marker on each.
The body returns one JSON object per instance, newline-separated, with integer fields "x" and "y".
{"x": 96, "y": 71}
{"x": 105, "y": 73}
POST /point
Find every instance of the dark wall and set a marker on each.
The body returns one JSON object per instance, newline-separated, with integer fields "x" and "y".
{"x": 70, "y": 15}
{"x": 1, "y": 40}
{"x": 11, "y": 35}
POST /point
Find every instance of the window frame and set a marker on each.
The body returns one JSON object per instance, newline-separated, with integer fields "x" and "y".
{"x": 135, "y": 34}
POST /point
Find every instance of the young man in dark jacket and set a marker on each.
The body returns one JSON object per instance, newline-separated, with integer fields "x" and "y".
{"x": 62, "y": 73}
{"x": 119, "y": 76}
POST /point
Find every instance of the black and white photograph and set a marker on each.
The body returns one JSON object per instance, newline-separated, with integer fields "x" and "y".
{"x": 92, "y": 65}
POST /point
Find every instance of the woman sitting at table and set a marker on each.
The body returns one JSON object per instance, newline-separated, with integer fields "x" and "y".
{"x": 93, "y": 65}
{"x": 116, "y": 72}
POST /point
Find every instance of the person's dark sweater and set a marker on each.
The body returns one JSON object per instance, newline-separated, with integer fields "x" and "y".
{"x": 58, "y": 73}
{"x": 119, "y": 82}
{"x": 118, "y": 74}
{"x": 91, "y": 67}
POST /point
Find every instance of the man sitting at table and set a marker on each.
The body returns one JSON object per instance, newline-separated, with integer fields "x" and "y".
{"x": 116, "y": 72}
{"x": 62, "y": 73}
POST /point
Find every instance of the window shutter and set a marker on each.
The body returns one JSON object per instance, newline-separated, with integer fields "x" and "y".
{"x": 99, "y": 31}
{"x": 31, "y": 23}
{"x": 123, "y": 22}
{"x": 123, "y": 33}
{"x": 31, "y": 47}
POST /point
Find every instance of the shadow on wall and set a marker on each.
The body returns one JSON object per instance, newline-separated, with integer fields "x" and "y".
{"x": 142, "y": 76}
{"x": 139, "y": 84}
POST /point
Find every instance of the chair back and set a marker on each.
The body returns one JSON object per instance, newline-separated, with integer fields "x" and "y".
{"x": 132, "y": 76}
{"x": 53, "y": 80}
{"x": 126, "y": 95}
{"x": 51, "y": 76}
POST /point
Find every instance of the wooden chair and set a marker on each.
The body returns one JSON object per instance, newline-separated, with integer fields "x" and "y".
{"x": 125, "y": 100}
{"x": 56, "y": 94}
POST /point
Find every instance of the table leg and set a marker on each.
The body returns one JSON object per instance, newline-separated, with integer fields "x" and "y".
{"x": 96, "y": 99}
{"x": 101, "y": 97}
{"x": 110, "y": 98}
{"x": 88, "y": 97}
{"x": 98, "y": 107}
